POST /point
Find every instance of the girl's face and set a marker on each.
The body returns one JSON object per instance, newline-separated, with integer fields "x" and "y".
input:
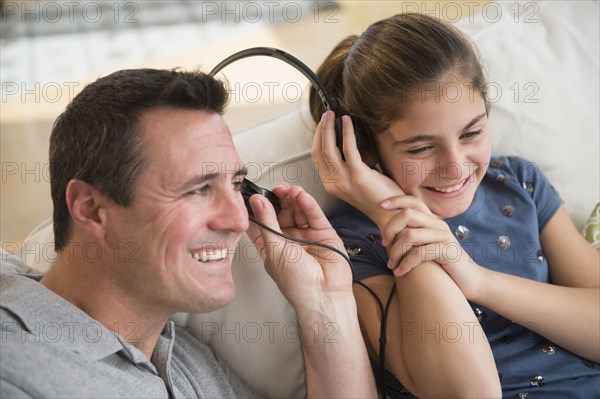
{"x": 439, "y": 148}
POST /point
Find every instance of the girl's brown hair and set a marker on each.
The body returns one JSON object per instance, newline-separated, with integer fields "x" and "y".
{"x": 373, "y": 76}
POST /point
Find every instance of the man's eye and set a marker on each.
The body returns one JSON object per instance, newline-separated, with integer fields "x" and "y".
{"x": 237, "y": 185}
{"x": 201, "y": 190}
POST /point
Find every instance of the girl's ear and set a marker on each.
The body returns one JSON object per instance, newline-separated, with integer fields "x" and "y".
{"x": 366, "y": 143}
{"x": 87, "y": 207}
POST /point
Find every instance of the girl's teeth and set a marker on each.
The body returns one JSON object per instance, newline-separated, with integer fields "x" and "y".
{"x": 449, "y": 189}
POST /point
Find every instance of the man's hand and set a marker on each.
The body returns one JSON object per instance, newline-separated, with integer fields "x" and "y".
{"x": 302, "y": 272}
{"x": 318, "y": 283}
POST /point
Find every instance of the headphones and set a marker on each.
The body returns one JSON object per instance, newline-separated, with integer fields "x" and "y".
{"x": 330, "y": 103}
{"x": 249, "y": 188}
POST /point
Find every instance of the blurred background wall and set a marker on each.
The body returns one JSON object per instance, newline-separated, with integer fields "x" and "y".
{"x": 50, "y": 49}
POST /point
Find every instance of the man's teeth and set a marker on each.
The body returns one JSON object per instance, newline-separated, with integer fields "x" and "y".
{"x": 204, "y": 256}
{"x": 448, "y": 189}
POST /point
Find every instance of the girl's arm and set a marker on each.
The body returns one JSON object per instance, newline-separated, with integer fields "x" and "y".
{"x": 566, "y": 312}
{"x": 435, "y": 345}
{"x": 573, "y": 261}
{"x": 568, "y": 316}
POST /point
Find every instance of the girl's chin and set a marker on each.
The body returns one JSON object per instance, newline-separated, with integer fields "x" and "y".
{"x": 448, "y": 213}
{"x": 449, "y": 208}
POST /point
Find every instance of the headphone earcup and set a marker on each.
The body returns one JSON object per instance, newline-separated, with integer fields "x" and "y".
{"x": 358, "y": 133}
{"x": 338, "y": 134}
{"x": 364, "y": 141}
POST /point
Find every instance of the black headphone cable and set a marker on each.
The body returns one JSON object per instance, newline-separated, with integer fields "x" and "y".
{"x": 383, "y": 310}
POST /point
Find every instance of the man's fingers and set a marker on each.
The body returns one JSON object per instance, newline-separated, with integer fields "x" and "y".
{"x": 253, "y": 233}
{"x": 265, "y": 214}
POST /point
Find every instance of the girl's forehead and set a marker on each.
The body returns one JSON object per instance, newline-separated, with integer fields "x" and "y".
{"x": 435, "y": 115}
{"x": 451, "y": 88}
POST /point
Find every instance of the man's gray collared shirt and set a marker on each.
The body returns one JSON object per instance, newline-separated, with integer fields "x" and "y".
{"x": 50, "y": 348}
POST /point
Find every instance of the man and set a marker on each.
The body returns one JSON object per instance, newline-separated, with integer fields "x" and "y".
{"x": 132, "y": 164}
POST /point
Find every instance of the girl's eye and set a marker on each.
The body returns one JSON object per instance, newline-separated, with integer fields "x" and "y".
{"x": 420, "y": 150}
{"x": 470, "y": 135}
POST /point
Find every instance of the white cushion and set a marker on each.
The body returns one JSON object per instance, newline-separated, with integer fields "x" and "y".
{"x": 37, "y": 250}
{"x": 543, "y": 67}
{"x": 546, "y": 50}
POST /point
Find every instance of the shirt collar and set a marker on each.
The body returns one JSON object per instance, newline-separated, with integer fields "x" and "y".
{"x": 50, "y": 317}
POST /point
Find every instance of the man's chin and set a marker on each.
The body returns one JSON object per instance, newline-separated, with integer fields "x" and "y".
{"x": 216, "y": 300}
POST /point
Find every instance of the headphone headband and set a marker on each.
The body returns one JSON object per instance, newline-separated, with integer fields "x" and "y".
{"x": 329, "y": 102}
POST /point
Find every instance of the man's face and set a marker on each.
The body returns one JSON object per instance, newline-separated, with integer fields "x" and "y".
{"x": 187, "y": 215}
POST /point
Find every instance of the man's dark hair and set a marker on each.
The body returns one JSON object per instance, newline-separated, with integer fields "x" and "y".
{"x": 97, "y": 139}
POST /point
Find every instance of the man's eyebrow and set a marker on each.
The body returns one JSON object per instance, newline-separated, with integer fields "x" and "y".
{"x": 200, "y": 179}
{"x": 416, "y": 139}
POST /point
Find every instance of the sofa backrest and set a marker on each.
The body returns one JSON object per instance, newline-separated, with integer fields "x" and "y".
{"x": 543, "y": 66}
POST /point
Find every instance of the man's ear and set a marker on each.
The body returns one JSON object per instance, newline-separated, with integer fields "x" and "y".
{"x": 87, "y": 207}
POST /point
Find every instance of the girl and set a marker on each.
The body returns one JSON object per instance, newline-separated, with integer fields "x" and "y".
{"x": 492, "y": 291}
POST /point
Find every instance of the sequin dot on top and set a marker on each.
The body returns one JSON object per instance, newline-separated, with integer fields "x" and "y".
{"x": 507, "y": 210}
{"x": 462, "y": 232}
{"x": 503, "y": 242}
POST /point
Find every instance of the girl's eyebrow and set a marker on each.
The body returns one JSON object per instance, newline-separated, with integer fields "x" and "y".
{"x": 416, "y": 139}
{"x": 474, "y": 121}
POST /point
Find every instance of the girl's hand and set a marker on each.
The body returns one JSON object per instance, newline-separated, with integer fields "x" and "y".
{"x": 351, "y": 179}
{"x": 415, "y": 235}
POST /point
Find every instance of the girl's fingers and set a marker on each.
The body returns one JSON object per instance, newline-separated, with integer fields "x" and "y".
{"x": 331, "y": 153}
{"x": 414, "y": 258}
{"x": 406, "y": 218}
{"x": 349, "y": 145}
{"x": 411, "y": 241}
{"x": 406, "y": 201}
